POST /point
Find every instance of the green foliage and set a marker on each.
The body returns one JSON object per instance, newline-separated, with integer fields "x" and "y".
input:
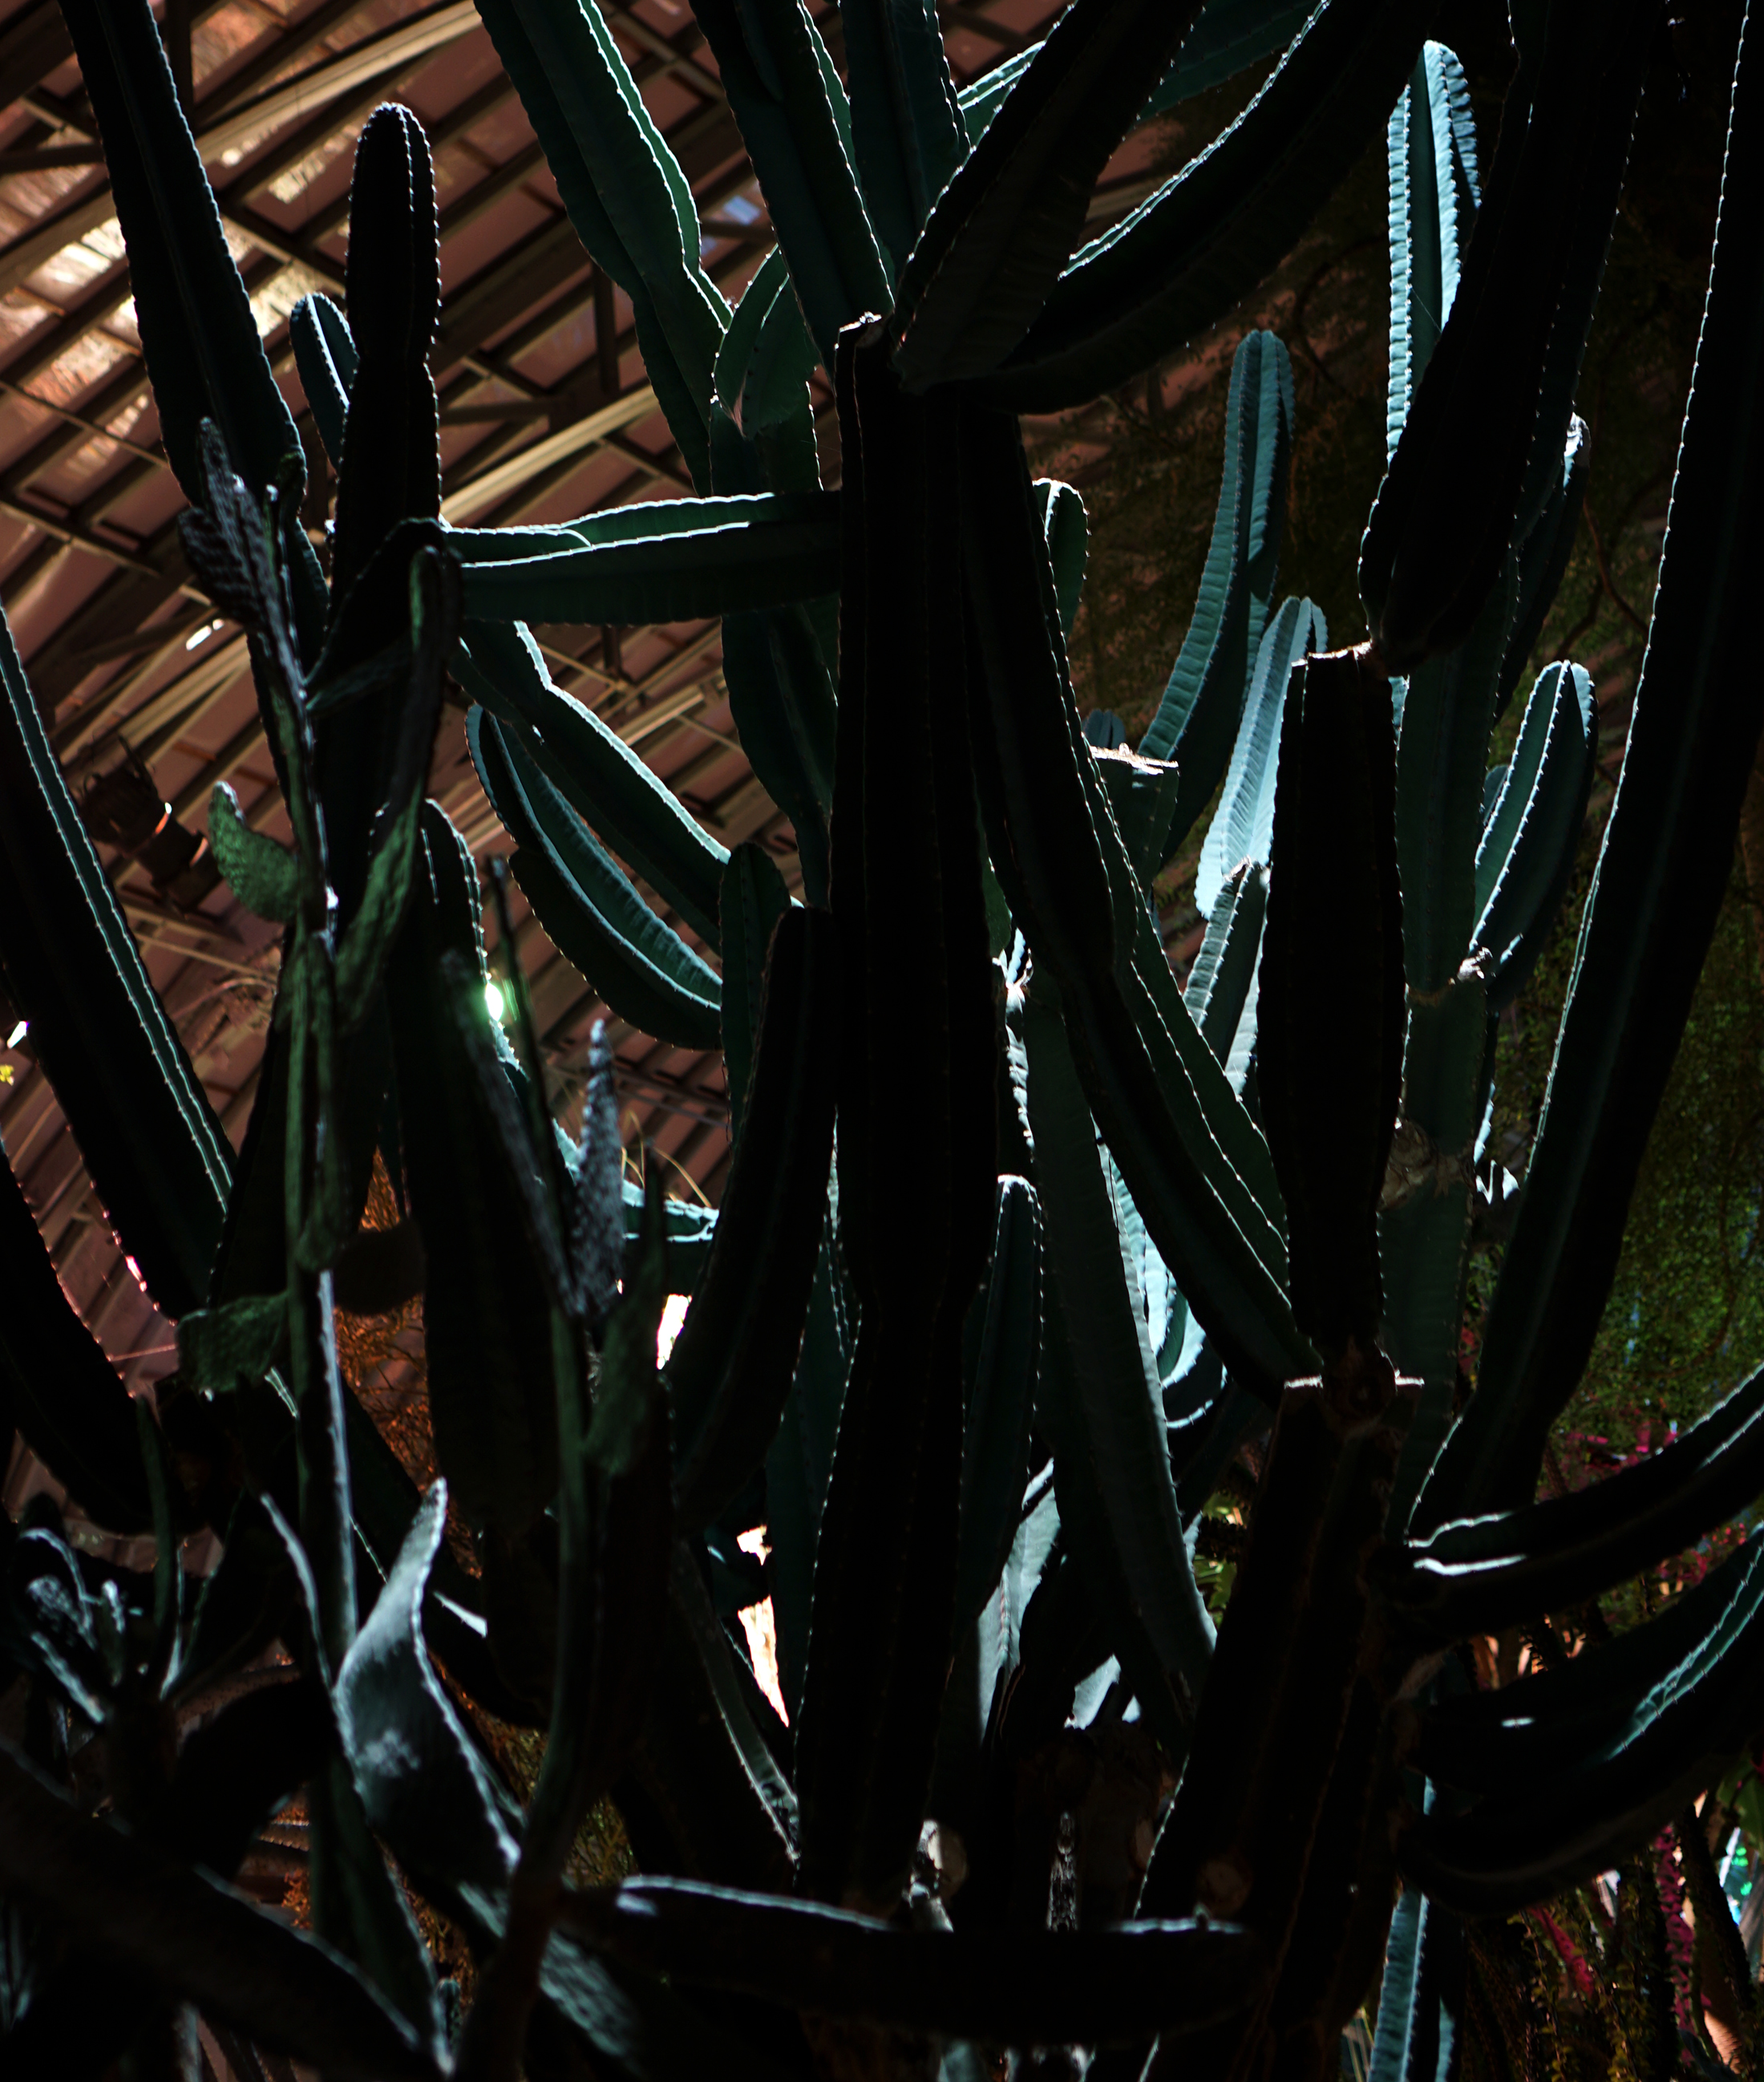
{"x": 1039, "y": 1278}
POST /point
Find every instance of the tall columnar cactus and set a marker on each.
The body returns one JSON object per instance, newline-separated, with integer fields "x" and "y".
{"x": 1087, "y": 1233}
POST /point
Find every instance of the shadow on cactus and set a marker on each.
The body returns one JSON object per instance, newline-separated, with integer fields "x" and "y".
{"x": 1152, "y": 1244}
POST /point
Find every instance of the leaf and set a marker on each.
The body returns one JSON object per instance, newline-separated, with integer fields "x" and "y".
{"x": 325, "y": 355}
{"x": 486, "y": 1308}
{"x": 1331, "y": 1019}
{"x": 731, "y": 1365}
{"x": 788, "y": 103}
{"x": 1527, "y": 851}
{"x": 201, "y": 343}
{"x": 906, "y": 122}
{"x": 1103, "y": 1407}
{"x": 587, "y": 903}
{"x": 1659, "y": 884}
{"x": 1000, "y": 1399}
{"x": 1243, "y": 826}
{"x": 1196, "y": 720}
{"x": 754, "y": 899}
{"x": 1136, "y": 1978}
{"x": 627, "y": 197}
{"x": 1006, "y": 224}
{"x": 770, "y": 550}
{"x": 425, "y": 1788}
{"x": 260, "y": 873}
{"x": 194, "y": 1937}
{"x": 121, "y": 1075}
{"x": 1187, "y": 256}
{"x": 236, "y": 1341}
{"x": 604, "y": 780}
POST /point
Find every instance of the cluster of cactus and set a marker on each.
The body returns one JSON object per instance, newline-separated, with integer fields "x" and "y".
{"x": 1091, "y": 1245}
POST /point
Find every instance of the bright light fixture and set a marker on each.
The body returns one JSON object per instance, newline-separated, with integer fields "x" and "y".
{"x": 493, "y": 997}
{"x": 18, "y": 1033}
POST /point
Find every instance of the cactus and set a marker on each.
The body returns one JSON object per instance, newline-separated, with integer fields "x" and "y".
{"x": 1022, "y": 1241}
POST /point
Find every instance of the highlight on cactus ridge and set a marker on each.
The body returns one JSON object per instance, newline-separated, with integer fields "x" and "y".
{"x": 1026, "y": 1252}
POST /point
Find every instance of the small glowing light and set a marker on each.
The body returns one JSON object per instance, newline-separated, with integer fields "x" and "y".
{"x": 673, "y": 1315}
{"x": 493, "y": 997}
{"x": 759, "y": 1623}
{"x": 136, "y": 1271}
{"x": 18, "y": 1033}
{"x": 200, "y": 636}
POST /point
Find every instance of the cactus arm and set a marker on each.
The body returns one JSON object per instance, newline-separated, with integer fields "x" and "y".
{"x": 1431, "y": 145}
{"x": 587, "y": 144}
{"x": 1221, "y": 992}
{"x": 1228, "y": 36}
{"x": 1102, "y": 1404}
{"x": 905, "y": 119}
{"x": 783, "y": 548}
{"x": 1006, "y": 224}
{"x": 55, "y": 1383}
{"x": 1196, "y": 1166}
{"x": 200, "y": 338}
{"x": 486, "y": 1310}
{"x": 1444, "y": 521}
{"x": 1067, "y": 528}
{"x": 907, "y": 895}
{"x": 629, "y": 807}
{"x": 325, "y": 355}
{"x": 1543, "y": 559}
{"x": 979, "y": 1984}
{"x": 1420, "y": 2003}
{"x": 1330, "y": 1013}
{"x": 391, "y": 469}
{"x": 1197, "y": 717}
{"x": 587, "y": 902}
{"x": 1566, "y": 1802}
{"x": 1527, "y": 882}
{"x": 799, "y": 1463}
{"x": 732, "y": 1363}
{"x": 728, "y": 1808}
{"x": 754, "y": 899}
{"x": 770, "y": 59}
{"x": 1424, "y": 1227}
{"x": 1481, "y": 1575}
{"x": 1188, "y": 254}
{"x": 1243, "y": 825}
{"x": 1001, "y": 1394}
{"x": 1662, "y": 874}
{"x": 1552, "y": 1724}
{"x": 120, "y": 1070}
